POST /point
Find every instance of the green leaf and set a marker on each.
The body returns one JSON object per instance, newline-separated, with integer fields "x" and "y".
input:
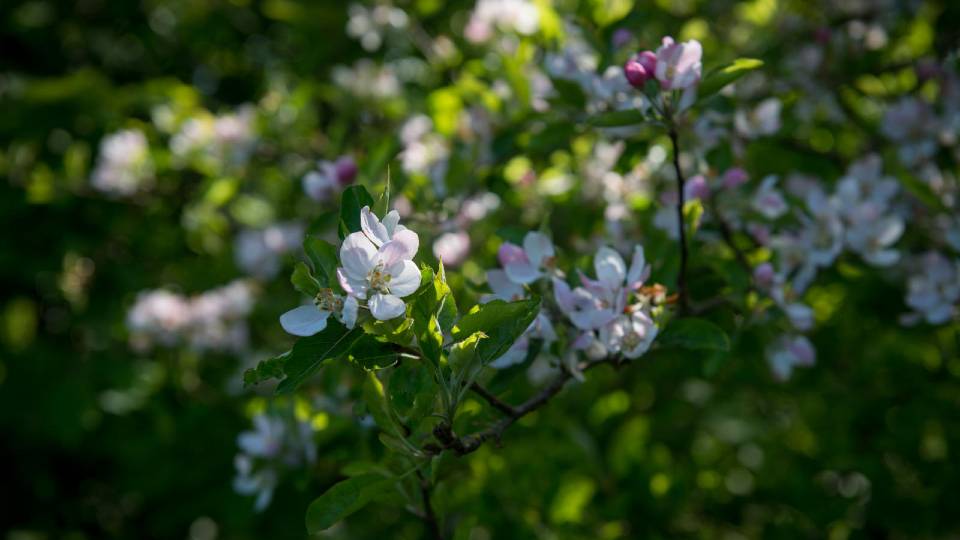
{"x": 376, "y": 400}
{"x": 721, "y": 77}
{"x": 629, "y": 117}
{"x": 353, "y": 200}
{"x": 303, "y": 281}
{"x": 266, "y": 370}
{"x": 502, "y": 322}
{"x": 569, "y": 92}
{"x": 372, "y": 354}
{"x": 343, "y": 499}
{"x": 463, "y": 352}
{"x": 434, "y": 300}
{"x": 692, "y": 333}
{"x": 310, "y": 353}
{"x": 323, "y": 257}
{"x": 411, "y": 389}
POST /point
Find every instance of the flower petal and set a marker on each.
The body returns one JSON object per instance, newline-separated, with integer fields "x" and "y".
{"x": 409, "y": 240}
{"x": 390, "y": 221}
{"x": 611, "y": 270}
{"x": 521, "y": 272}
{"x": 304, "y": 320}
{"x": 538, "y": 248}
{"x": 350, "y": 309}
{"x": 386, "y": 306}
{"x": 353, "y": 287}
{"x": 357, "y": 255}
{"x": 404, "y": 278}
{"x": 503, "y": 287}
{"x": 371, "y": 226}
{"x": 639, "y": 271}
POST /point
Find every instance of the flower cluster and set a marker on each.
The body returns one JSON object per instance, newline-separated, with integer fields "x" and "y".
{"x": 212, "y": 321}
{"x": 258, "y": 251}
{"x": 676, "y": 66}
{"x": 377, "y": 272}
{"x": 124, "y": 165}
{"x": 275, "y": 443}
{"x": 325, "y": 182}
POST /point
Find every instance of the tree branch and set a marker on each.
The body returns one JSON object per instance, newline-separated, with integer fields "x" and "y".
{"x": 449, "y": 440}
{"x": 429, "y": 517}
{"x": 493, "y": 400}
{"x": 682, "y": 276}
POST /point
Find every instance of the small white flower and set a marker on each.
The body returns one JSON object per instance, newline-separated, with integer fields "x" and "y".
{"x": 678, "y": 64}
{"x": 768, "y": 200}
{"x": 377, "y": 264}
{"x": 788, "y": 352}
{"x": 525, "y": 265}
{"x": 935, "y": 290}
{"x": 630, "y": 334}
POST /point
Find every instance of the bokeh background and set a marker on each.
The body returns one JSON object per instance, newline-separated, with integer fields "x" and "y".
{"x": 113, "y": 428}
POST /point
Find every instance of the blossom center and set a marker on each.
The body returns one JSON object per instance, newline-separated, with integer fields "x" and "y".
{"x": 327, "y": 300}
{"x": 378, "y": 279}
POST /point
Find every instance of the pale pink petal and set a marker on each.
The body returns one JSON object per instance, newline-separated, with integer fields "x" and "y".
{"x": 611, "y": 270}
{"x": 404, "y": 278}
{"x": 386, "y": 306}
{"x": 538, "y": 248}
{"x": 372, "y": 227}
{"x": 304, "y": 320}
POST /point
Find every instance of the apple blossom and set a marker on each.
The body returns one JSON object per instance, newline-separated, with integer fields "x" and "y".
{"x": 124, "y": 165}
{"x": 526, "y": 264}
{"x": 933, "y": 292}
{"x": 788, "y": 352}
{"x": 377, "y": 265}
{"x": 308, "y": 320}
{"x": 678, "y": 64}
{"x": 640, "y": 68}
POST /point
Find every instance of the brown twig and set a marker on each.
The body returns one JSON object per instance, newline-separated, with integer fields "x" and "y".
{"x": 429, "y": 517}
{"x": 682, "y": 276}
{"x": 493, "y": 400}
{"x": 465, "y": 445}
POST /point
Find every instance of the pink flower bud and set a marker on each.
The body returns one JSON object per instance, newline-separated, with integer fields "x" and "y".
{"x": 696, "y": 188}
{"x": 734, "y": 177}
{"x": 640, "y": 68}
{"x": 763, "y": 275}
{"x": 636, "y": 75}
{"x": 346, "y": 170}
{"x": 621, "y": 37}
{"x": 648, "y": 59}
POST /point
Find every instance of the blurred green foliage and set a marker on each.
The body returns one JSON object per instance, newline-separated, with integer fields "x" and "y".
{"x": 105, "y": 441}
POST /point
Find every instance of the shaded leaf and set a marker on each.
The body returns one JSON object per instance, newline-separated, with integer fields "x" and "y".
{"x": 353, "y": 200}
{"x": 721, "y": 77}
{"x": 266, "y": 370}
{"x": 323, "y": 257}
{"x": 693, "y": 333}
{"x": 303, "y": 281}
{"x": 309, "y": 353}
{"x": 502, "y": 322}
{"x": 629, "y": 117}
{"x": 343, "y": 499}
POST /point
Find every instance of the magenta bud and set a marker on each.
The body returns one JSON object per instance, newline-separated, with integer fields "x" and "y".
{"x": 822, "y": 35}
{"x": 648, "y": 60}
{"x": 763, "y": 275}
{"x": 346, "y": 170}
{"x": 696, "y": 188}
{"x": 636, "y": 75}
{"x": 734, "y": 177}
{"x": 621, "y": 37}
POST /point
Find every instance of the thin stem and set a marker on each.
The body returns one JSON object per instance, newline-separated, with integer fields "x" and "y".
{"x": 493, "y": 400}
{"x": 462, "y": 446}
{"x": 682, "y": 276}
{"x": 429, "y": 517}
